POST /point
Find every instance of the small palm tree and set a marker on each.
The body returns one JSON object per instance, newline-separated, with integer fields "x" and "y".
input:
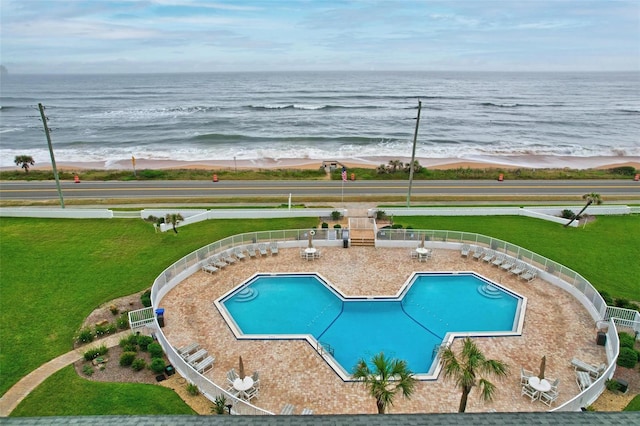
{"x": 24, "y": 161}
{"x": 590, "y": 198}
{"x": 465, "y": 367}
{"x": 173, "y": 219}
{"x": 394, "y": 165}
{"x": 388, "y": 377}
{"x": 382, "y": 169}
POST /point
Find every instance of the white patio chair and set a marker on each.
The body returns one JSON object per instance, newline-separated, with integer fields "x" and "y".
{"x": 530, "y": 392}
{"x": 524, "y": 376}
{"x": 464, "y": 250}
{"x": 549, "y": 397}
{"x": 252, "y": 251}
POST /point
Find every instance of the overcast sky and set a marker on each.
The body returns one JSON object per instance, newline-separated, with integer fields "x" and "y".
{"x": 90, "y": 36}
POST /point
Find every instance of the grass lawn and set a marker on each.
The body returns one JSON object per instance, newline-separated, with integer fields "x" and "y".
{"x": 634, "y": 404}
{"x": 82, "y": 397}
{"x": 55, "y": 272}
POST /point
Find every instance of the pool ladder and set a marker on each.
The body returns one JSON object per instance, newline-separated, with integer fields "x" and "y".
{"x": 324, "y": 347}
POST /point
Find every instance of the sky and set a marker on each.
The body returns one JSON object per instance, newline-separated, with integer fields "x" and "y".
{"x": 123, "y": 36}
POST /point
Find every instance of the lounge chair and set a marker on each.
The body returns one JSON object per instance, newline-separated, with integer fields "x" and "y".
{"x": 188, "y": 349}
{"x": 593, "y": 370}
{"x": 507, "y": 265}
{"x": 209, "y": 269}
{"x": 205, "y": 365}
{"x": 583, "y": 380}
{"x": 227, "y": 257}
{"x": 413, "y": 254}
{"x": 237, "y": 252}
{"x": 478, "y": 253}
{"x": 498, "y": 260}
{"x": 217, "y": 262}
{"x": 273, "y": 247}
{"x": 529, "y": 274}
{"x": 287, "y": 409}
{"x": 488, "y": 256}
{"x": 196, "y": 357}
{"x": 262, "y": 248}
{"x": 518, "y": 268}
{"x": 251, "y": 250}
{"x": 306, "y": 412}
{"x": 464, "y": 250}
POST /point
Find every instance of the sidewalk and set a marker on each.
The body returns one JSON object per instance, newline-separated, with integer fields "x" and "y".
{"x": 10, "y": 400}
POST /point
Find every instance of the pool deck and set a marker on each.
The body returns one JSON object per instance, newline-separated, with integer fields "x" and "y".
{"x": 291, "y": 372}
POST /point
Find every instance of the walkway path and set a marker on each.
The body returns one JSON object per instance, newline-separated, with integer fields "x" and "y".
{"x": 10, "y": 400}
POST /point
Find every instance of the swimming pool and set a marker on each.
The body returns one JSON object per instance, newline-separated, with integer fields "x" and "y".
{"x": 430, "y": 308}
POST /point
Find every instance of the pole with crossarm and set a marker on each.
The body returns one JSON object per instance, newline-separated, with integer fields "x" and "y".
{"x": 53, "y": 159}
{"x": 413, "y": 154}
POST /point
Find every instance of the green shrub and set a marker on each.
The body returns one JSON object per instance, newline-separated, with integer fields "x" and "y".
{"x": 144, "y": 341}
{"x": 324, "y": 225}
{"x": 85, "y": 335}
{"x": 100, "y": 330}
{"x": 126, "y": 359}
{"x": 219, "y": 404}
{"x": 606, "y": 297}
{"x": 145, "y": 298}
{"x": 626, "y": 340}
{"x": 138, "y": 364}
{"x": 95, "y": 352}
{"x": 130, "y": 348}
{"x": 337, "y": 226}
{"x": 612, "y": 385}
{"x": 157, "y": 365}
{"x": 155, "y": 350}
{"x": 192, "y": 389}
{"x": 87, "y": 370}
{"x": 122, "y": 322}
{"x": 627, "y": 358}
{"x": 336, "y": 215}
{"x": 381, "y": 215}
{"x": 110, "y": 328}
{"x": 396, "y": 226}
{"x": 567, "y": 214}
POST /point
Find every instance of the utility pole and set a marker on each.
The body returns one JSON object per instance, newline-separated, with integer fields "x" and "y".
{"x": 413, "y": 155}
{"x": 53, "y": 159}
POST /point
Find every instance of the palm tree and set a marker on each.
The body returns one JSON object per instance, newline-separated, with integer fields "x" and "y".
{"x": 24, "y": 161}
{"x": 466, "y": 366}
{"x": 382, "y": 169}
{"x": 388, "y": 377}
{"x": 394, "y": 165}
{"x": 173, "y": 219}
{"x": 591, "y": 198}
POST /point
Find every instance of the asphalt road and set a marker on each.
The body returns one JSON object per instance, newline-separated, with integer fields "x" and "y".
{"x": 140, "y": 190}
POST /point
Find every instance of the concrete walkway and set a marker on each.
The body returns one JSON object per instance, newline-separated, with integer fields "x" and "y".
{"x": 10, "y": 400}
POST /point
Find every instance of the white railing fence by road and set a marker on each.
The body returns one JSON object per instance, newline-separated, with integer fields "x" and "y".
{"x": 550, "y": 271}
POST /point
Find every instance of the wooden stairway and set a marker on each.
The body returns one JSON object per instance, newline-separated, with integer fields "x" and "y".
{"x": 362, "y": 238}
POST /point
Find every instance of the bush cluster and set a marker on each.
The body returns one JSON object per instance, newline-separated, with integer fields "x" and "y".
{"x": 145, "y": 298}
{"x": 628, "y": 358}
{"x": 94, "y": 353}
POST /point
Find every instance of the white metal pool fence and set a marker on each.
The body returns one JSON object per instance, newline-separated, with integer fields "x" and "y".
{"x": 550, "y": 271}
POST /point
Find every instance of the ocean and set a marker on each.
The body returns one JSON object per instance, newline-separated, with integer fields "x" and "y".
{"x": 319, "y": 115}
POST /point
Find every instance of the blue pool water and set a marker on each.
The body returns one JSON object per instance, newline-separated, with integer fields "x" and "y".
{"x": 408, "y": 327}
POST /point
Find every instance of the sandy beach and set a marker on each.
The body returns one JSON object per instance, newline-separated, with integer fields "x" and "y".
{"x": 496, "y": 162}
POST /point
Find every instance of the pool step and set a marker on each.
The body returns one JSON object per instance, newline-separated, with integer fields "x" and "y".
{"x": 246, "y": 294}
{"x": 490, "y": 291}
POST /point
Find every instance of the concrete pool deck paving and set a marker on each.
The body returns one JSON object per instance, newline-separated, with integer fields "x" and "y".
{"x": 292, "y": 372}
